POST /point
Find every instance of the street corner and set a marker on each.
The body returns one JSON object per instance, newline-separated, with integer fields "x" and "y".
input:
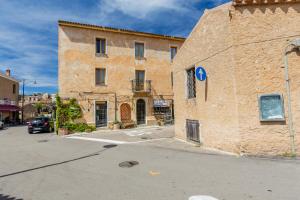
{"x": 128, "y": 136}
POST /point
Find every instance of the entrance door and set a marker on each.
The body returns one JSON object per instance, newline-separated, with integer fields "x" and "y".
{"x": 101, "y": 114}
{"x": 140, "y": 80}
{"x": 141, "y": 112}
{"x": 125, "y": 112}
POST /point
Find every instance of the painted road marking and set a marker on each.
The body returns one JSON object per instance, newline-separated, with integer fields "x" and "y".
{"x": 202, "y": 198}
{"x": 98, "y": 140}
{"x": 137, "y": 133}
{"x": 113, "y": 141}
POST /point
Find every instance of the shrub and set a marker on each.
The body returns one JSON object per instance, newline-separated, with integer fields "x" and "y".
{"x": 66, "y": 113}
{"x": 80, "y": 127}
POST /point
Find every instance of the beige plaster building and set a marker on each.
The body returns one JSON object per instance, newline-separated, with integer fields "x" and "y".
{"x": 32, "y": 103}
{"x": 9, "y": 94}
{"x": 242, "y": 106}
{"x": 116, "y": 74}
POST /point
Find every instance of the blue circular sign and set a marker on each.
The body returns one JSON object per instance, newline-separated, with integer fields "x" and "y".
{"x": 201, "y": 74}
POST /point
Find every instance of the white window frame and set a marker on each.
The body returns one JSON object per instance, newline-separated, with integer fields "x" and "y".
{"x": 106, "y": 74}
{"x": 106, "y": 47}
{"x": 145, "y": 47}
{"x": 170, "y": 52}
{"x": 260, "y": 107}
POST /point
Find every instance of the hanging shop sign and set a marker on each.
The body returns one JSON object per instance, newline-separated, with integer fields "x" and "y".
{"x": 160, "y": 103}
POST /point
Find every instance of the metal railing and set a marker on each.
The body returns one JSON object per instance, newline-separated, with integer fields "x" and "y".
{"x": 8, "y": 102}
{"x": 141, "y": 86}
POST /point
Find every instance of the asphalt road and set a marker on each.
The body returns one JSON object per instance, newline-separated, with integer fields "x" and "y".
{"x": 47, "y": 167}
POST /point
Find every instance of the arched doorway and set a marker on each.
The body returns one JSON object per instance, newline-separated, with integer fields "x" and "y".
{"x": 141, "y": 111}
{"x": 125, "y": 112}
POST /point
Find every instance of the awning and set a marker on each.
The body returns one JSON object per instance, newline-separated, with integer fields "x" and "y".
{"x": 9, "y": 108}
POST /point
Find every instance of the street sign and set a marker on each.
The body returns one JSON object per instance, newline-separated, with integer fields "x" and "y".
{"x": 201, "y": 74}
{"x": 160, "y": 103}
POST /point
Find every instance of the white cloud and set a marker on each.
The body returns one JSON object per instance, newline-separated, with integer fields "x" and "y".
{"x": 141, "y": 8}
{"x": 28, "y": 29}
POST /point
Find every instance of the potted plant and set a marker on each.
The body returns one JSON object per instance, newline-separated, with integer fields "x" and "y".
{"x": 63, "y": 131}
{"x": 117, "y": 125}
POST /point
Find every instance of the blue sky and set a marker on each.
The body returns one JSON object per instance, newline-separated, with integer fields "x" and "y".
{"x": 28, "y": 29}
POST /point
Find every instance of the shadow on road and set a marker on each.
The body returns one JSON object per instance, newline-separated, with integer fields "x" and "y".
{"x": 58, "y": 163}
{"x": 7, "y": 197}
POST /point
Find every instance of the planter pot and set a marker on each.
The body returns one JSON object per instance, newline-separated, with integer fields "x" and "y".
{"x": 161, "y": 123}
{"x": 63, "y": 131}
{"x": 117, "y": 126}
{"x": 111, "y": 126}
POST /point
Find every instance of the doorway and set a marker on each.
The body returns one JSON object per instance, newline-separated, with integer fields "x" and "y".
{"x": 141, "y": 112}
{"x": 125, "y": 112}
{"x": 101, "y": 114}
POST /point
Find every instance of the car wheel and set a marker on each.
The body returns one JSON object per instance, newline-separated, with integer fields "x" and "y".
{"x": 30, "y": 132}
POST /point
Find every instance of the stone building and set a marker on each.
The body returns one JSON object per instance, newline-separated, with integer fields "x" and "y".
{"x": 37, "y": 104}
{"x": 9, "y": 93}
{"x": 116, "y": 74}
{"x": 242, "y": 106}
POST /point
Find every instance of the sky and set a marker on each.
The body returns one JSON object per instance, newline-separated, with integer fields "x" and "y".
{"x": 28, "y": 29}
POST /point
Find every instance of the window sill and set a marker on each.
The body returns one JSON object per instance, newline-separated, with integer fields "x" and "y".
{"x": 140, "y": 58}
{"x": 101, "y": 85}
{"x": 273, "y": 120}
{"x": 101, "y": 55}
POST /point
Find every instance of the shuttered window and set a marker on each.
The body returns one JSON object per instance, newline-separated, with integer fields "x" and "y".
{"x": 191, "y": 83}
{"x": 192, "y": 130}
{"x": 14, "y": 88}
{"x": 173, "y": 52}
{"x": 100, "y": 46}
{"x": 100, "y": 76}
{"x": 139, "y": 50}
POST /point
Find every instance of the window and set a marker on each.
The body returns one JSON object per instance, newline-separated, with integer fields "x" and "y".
{"x": 139, "y": 50}
{"x": 191, "y": 83}
{"x": 139, "y": 80}
{"x": 100, "y": 76}
{"x": 161, "y": 110}
{"x": 173, "y": 52}
{"x": 192, "y": 130}
{"x": 101, "y": 46}
{"x": 271, "y": 107}
{"x": 14, "y": 88}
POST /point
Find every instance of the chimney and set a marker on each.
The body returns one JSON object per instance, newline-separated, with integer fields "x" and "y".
{"x": 7, "y": 72}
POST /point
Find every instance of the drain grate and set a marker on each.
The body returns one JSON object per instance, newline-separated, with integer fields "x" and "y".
{"x": 43, "y": 141}
{"x": 128, "y": 164}
{"x": 109, "y": 146}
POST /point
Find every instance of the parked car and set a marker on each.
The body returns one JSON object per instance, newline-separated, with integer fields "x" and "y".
{"x": 40, "y": 124}
{"x": 1, "y": 125}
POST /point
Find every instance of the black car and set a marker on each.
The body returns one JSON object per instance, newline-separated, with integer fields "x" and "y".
{"x": 41, "y": 124}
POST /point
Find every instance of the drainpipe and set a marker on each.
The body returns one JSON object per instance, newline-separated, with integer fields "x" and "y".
{"x": 288, "y": 91}
{"x": 116, "y": 107}
{"x": 294, "y": 44}
{"x": 23, "y": 90}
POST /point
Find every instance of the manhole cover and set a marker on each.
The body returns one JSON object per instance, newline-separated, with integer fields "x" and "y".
{"x": 42, "y": 141}
{"x": 110, "y": 146}
{"x": 128, "y": 164}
